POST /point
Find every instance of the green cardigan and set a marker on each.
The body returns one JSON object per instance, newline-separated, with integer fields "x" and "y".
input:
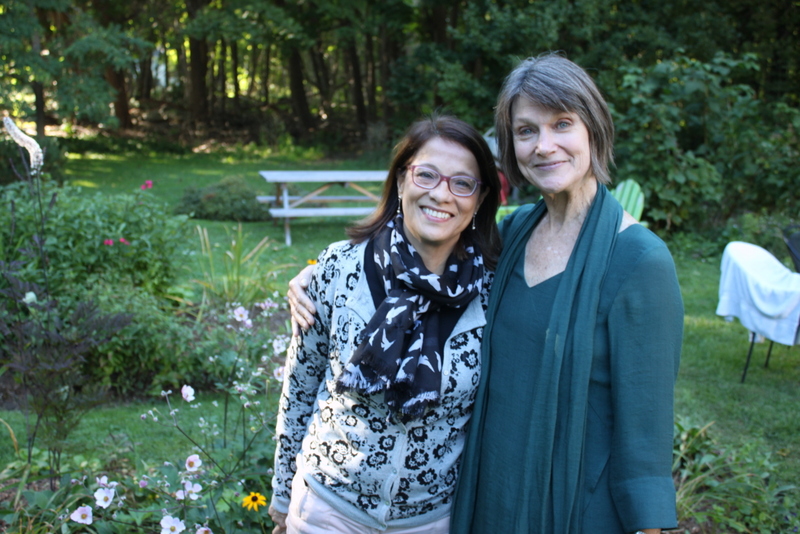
{"x": 599, "y": 442}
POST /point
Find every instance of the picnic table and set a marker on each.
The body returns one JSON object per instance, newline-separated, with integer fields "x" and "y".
{"x": 287, "y": 207}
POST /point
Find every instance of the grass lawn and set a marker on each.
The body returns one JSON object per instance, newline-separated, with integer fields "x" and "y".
{"x": 766, "y": 408}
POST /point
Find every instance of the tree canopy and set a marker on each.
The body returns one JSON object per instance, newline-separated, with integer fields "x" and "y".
{"x": 682, "y": 77}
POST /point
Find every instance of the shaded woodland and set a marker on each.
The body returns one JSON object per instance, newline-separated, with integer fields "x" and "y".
{"x": 705, "y": 95}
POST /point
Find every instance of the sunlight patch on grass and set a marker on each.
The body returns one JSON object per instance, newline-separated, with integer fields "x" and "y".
{"x": 97, "y": 156}
{"x": 85, "y": 183}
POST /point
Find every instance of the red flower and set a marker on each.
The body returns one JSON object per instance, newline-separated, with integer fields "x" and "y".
{"x": 123, "y": 241}
{"x": 108, "y": 242}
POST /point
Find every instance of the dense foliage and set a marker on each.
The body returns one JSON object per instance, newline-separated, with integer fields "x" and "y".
{"x": 705, "y": 93}
{"x": 89, "y": 239}
{"x": 231, "y": 199}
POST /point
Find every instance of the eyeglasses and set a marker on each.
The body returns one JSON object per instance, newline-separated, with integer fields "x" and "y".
{"x": 460, "y": 186}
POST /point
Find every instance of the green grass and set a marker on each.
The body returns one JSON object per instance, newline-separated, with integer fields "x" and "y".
{"x": 766, "y": 408}
{"x": 171, "y": 175}
{"x": 118, "y": 430}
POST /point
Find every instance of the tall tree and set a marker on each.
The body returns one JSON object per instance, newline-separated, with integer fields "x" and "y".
{"x": 198, "y": 63}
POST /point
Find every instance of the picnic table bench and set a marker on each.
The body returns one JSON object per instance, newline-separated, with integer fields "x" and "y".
{"x": 287, "y": 207}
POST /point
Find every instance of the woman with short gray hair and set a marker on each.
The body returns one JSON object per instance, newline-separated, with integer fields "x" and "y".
{"x": 572, "y": 425}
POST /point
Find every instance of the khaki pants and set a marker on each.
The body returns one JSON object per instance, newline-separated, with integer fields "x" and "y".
{"x": 308, "y": 514}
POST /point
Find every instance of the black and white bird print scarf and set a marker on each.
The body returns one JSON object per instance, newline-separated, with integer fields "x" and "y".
{"x": 400, "y": 350}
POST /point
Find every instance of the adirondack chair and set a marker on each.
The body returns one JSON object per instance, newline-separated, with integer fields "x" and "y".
{"x": 502, "y": 211}
{"x": 629, "y": 194}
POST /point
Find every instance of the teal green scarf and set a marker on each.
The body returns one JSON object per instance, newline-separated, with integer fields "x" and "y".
{"x": 559, "y": 403}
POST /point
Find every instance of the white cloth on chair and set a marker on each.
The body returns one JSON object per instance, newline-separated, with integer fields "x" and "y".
{"x": 760, "y": 291}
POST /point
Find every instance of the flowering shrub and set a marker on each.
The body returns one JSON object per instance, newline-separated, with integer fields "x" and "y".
{"x": 91, "y": 238}
{"x": 221, "y": 484}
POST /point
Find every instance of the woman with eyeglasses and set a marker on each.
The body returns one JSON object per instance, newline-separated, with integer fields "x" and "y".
{"x": 378, "y": 392}
{"x": 571, "y": 431}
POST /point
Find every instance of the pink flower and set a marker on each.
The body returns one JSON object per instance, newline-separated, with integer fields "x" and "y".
{"x": 148, "y": 184}
{"x": 124, "y": 241}
{"x": 104, "y": 497}
{"x": 187, "y": 392}
{"x": 108, "y": 242}
{"x": 193, "y": 462}
{"x": 82, "y": 515}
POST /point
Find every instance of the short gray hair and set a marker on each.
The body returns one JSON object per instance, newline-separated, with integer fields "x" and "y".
{"x": 558, "y": 84}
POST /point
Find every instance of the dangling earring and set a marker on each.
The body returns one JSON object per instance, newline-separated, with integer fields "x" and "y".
{"x": 473, "y": 219}
{"x": 399, "y": 203}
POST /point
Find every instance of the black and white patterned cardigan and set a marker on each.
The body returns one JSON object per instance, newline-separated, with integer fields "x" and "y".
{"x": 369, "y": 467}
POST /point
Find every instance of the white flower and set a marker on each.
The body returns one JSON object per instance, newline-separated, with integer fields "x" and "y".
{"x": 30, "y": 297}
{"x": 104, "y": 483}
{"x": 277, "y": 374}
{"x": 279, "y": 344}
{"x": 82, "y": 515}
{"x": 241, "y": 314}
{"x": 189, "y": 491}
{"x": 188, "y": 393}
{"x": 170, "y": 525}
{"x": 204, "y": 530}
{"x": 193, "y": 463}
{"x": 104, "y": 497}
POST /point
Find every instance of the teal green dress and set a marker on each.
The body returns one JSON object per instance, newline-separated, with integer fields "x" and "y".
{"x": 573, "y": 421}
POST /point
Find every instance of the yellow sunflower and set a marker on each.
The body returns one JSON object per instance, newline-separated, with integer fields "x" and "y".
{"x": 253, "y": 501}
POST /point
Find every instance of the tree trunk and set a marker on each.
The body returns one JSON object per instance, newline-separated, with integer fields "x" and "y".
{"x": 356, "y": 84}
{"x": 116, "y": 78}
{"x": 298, "y": 91}
{"x": 321, "y": 75}
{"x": 38, "y": 90}
{"x": 265, "y": 76}
{"x": 252, "y": 69}
{"x": 198, "y": 68}
{"x": 145, "y": 85}
{"x": 235, "y": 72}
{"x": 389, "y": 53}
{"x": 222, "y": 77}
{"x": 166, "y": 68}
{"x": 372, "y": 106}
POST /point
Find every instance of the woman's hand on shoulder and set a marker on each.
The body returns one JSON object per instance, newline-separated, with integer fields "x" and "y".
{"x": 300, "y": 305}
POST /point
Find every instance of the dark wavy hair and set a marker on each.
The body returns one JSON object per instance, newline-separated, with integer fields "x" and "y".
{"x": 447, "y": 127}
{"x": 556, "y": 83}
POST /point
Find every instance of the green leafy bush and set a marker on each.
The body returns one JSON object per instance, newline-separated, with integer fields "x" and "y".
{"x": 729, "y": 490}
{"x": 703, "y": 146}
{"x": 149, "y": 353}
{"x": 126, "y": 238}
{"x": 763, "y": 229}
{"x": 230, "y": 199}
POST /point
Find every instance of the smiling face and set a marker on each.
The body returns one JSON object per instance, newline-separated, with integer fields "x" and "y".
{"x": 434, "y": 218}
{"x": 552, "y": 148}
